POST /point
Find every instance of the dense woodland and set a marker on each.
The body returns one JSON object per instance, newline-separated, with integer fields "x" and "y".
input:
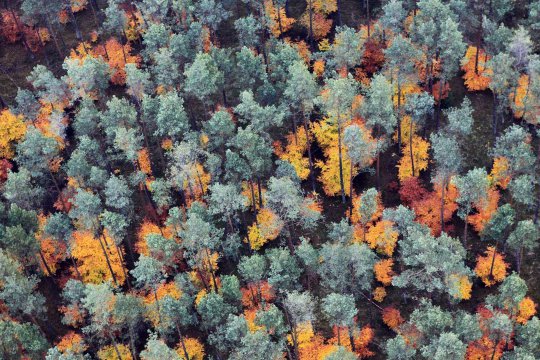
{"x": 269, "y": 179}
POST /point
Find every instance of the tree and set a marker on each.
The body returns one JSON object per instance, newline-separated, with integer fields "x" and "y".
{"x": 301, "y": 92}
{"x": 347, "y": 48}
{"x": 248, "y": 30}
{"x": 393, "y": 16}
{"x": 447, "y": 156}
{"x": 472, "y": 189}
{"x": 340, "y": 310}
{"x": 284, "y": 197}
{"x": 299, "y": 308}
{"x": 524, "y": 237}
{"x": 360, "y": 149}
{"x": 337, "y": 99}
{"x": 283, "y": 270}
{"x": 200, "y": 240}
{"x": 435, "y": 264}
{"x": 22, "y": 339}
{"x": 227, "y": 201}
{"x": 156, "y": 348}
{"x": 203, "y": 78}
{"x": 378, "y": 111}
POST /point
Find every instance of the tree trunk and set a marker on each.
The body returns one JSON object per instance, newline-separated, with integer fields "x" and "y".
{"x": 368, "y": 19}
{"x": 465, "y": 232}
{"x": 310, "y": 157}
{"x": 399, "y": 116}
{"x": 108, "y": 261}
{"x": 53, "y": 34}
{"x": 493, "y": 259}
{"x": 443, "y": 185}
{"x": 411, "y": 146}
{"x": 341, "y": 183}
{"x": 78, "y": 33}
{"x": 45, "y": 263}
{"x": 182, "y": 343}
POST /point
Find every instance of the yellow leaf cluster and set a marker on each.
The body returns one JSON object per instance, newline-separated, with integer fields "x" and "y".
{"x": 266, "y": 228}
{"x": 109, "y": 353}
{"x": 194, "y": 348}
{"x": 383, "y": 237}
{"x": 379, "y": 293}
{"x": 420, "y": 148}
{"x": 12, "y": 129}
{"x": 327, "y": 137}
{"x": 500, "y": 175}
{"x": 294, "y": 151}
{"x": 460, "y": 286}
{"x": 91, "y": 260}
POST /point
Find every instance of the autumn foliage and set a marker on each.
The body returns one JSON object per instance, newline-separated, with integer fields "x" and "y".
{"x": 491, "y": 267}
{"x": 392, "y": 317}
{"x": 91, "y": 258}
{"x": 477, "y": 74}
{"x": 12, "y": 130}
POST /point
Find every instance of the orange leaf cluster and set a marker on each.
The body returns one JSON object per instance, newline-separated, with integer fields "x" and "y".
{"x": 482, "y": 349}
{"x": 321, "y": 25}
{"x": 439, "y": 94}
{"x": 92, "y": 263}
{"x": 249, "y": 190}
{"x": 383, "y": 271}
{"x": 361, "y": 338}
{"x": 73, "y": 342}
{"x": 11, "y": 23}
{"x": 267, "y": 227}
{"x": 144, "y": 161}
{"x": 318, "y": 67}
{"x": 78, "y": 5}
{"x": 279, "y": 22}
{"x": 252, "y": 293}
{"x": 477, "y": 75}
{"x": 527, "y": 308}
{"x": 485, "y": 211}
{"x": 428, "y": 208}
{"x": 519, "y": 96}
{"x": 411, "y": 191}
{"x": 53, "y": 252}
{"x": 484, "y": 264}
{"x": 5, "y": 166}
{"x": 392, "y": 317}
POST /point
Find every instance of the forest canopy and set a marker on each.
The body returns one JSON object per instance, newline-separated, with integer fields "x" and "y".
{"x": 270, "y": 179}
